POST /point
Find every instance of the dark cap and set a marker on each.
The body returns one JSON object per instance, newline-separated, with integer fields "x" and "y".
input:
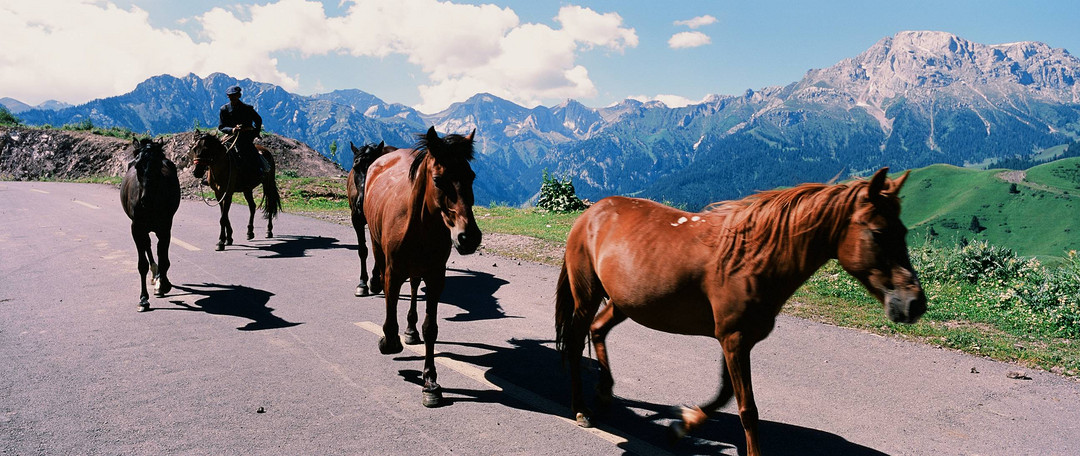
{"x": 232, "y": 90}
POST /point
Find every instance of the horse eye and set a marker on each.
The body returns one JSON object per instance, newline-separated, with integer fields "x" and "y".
{"x": 439, "y": 181}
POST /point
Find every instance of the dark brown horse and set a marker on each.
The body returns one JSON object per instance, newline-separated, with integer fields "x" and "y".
{"x": 354, "y": 187}
{"x": 227, "y": 175}
{"x": 418, "y": 204}
{"x": 150, "y": 195}
{"x": 725, "y": 273}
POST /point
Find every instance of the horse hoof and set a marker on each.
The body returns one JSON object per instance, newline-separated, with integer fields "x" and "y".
{"x": 676, "y": 431}
{"x": 250, "y": 236}
{"x": 412, "y": 337}
{"x": 432, "y": 397}
{"x": 269, "y": 235}
{"x": 361, "y": 291}
{"x": 228, "y": 241}
{"x": 391, "y": 346}
{"x": 220, "y": 247}
{"x": 375, "y": 286}
{"x": 583, "y": 420}
{"x": 163, "y": 287}
{"x": 144, "y": 305}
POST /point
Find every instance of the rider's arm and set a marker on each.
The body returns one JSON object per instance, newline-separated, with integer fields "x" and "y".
{"x": 224, "y": 123}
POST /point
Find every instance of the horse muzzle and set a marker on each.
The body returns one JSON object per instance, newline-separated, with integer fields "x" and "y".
{"x": 199, "y": 170}
{"x": 905, "y": 306}
{"x": 466, "y": 241}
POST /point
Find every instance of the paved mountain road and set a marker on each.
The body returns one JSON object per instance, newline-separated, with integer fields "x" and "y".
{"x": 262, "y": 349}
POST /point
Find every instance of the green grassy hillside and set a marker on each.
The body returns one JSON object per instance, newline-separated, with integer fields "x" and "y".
{"x": 1039, "y": 217}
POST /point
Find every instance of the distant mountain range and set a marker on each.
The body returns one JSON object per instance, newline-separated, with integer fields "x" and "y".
{"x": 15, "y": 106}
{"x": 910, "y": 100}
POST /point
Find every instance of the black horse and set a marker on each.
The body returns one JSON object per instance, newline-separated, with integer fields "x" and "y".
{"x": 150, "y": 194}
{"x": 362, "y": 158}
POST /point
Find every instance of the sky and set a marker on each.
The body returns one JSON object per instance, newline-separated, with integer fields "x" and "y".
{"x": 427, "y": 54}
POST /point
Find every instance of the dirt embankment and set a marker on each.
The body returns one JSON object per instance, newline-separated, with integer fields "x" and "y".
{"x": 35, "y": 154}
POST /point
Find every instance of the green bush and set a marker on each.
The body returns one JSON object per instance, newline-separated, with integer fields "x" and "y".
{"x": 7, "y": 118}
{"x": 558, "y": 195}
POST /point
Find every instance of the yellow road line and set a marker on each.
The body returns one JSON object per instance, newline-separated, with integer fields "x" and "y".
{"x": 185, "y": 245}
{"x": 524, "y": 395}
{"x": 91, "y": 206}
{"x": 39, "y": 191}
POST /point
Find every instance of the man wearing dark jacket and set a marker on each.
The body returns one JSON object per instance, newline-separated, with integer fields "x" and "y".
{"x": 243, "y": 124}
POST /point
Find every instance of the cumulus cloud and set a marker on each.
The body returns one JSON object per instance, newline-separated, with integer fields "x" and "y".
{"x": 462, "y": 49}
{"x": 699, "y": 21}
{"x": 688, "y": 40}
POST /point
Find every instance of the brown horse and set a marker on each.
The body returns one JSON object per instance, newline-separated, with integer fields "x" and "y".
{"x": 725, "y": 273}
{"x": 354, "y": 187}
{"x": 150, "y": 195}
{"x": 418, "y": 204}
{"x": 227, "y": 175}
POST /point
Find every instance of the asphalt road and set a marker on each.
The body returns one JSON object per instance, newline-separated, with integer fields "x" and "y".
{"x": 262, "y": 349}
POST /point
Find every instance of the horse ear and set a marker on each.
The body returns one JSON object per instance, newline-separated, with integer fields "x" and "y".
{"x": 877, "y": 183}
{"x": 353, "y": 147}
{"x": 894, "y": 186}
{"x": 382, "y": 144}
{"x": 471, "y": 135}
{"x": 431, "y": 135}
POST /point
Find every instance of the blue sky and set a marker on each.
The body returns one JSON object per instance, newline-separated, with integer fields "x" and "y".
{"x": 427, "y": 53}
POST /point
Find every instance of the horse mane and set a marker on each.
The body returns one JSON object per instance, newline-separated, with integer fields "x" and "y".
{"x": 366, "y": 155}
{"x": 769, "y": 228}
{"x": 148, "y": 164}
{"x": 445, "y": 148}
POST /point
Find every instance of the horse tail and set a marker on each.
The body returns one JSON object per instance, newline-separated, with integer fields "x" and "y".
{"x": 564, "y": 314}
{"x": 272, "y": 204}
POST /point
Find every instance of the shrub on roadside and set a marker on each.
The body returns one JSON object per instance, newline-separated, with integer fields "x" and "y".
{"x": 558, "y": 195}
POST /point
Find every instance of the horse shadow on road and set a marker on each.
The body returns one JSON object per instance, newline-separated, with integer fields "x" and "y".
{"x": 288, "y": 246}
{"x": 471, "y": 291}
{"x": 233, "y": 300}
{"x": 543, "y": 385}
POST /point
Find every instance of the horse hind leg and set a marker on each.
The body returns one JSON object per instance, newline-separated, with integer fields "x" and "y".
{"x": 578, "y": 297}
{"x": 163, "y": 286}
{"x": 390, "y": 342}
{"x": 142, "y": 246}
{"x": 412, "y": 336}
{"x": 251, "y": 214}
{"x": 608, "y": 317}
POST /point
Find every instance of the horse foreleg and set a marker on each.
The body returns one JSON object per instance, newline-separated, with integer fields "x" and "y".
{"x": 432, "y": 390}
{"x": 696, "y": 416}
{"x": 412, "y": 336}
{"x": 362, "y": 252}
{"x": 225, "y": 237}
{"x": 737, "y": 355}
{"x": 163, "y": 285}
{"x": 608, "y": 317}
{"x": 142, "y": 246}
{"x": 390, "y": 343}
{"x": 251, "y": 214}
{"x": 378, "y": 270}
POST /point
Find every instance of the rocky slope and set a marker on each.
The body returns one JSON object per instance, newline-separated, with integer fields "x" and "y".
{"x": 33, "y": 153}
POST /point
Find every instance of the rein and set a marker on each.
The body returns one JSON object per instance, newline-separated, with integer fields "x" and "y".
{"x": 228, "y": 186}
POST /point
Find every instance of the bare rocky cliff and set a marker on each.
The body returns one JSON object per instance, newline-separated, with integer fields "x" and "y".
{"x": 34, "y": 154}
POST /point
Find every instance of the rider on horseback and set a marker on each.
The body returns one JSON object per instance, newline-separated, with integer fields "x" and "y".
{"x": 243, "y": 124}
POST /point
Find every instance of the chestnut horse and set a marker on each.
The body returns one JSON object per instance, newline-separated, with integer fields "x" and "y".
{"x": 418, "y": 203}
{"x": 724, "y": 273}
{"x": 354, "y": 188}
{"x": 227, "y": 175}
{"x": 150, "y": 195}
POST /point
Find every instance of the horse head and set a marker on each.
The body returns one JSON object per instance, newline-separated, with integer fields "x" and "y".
{"x": 873, "y": 249}
{"x": 203, "y": 152}
{"x": 365, "y": 155}
{"x": 444, "y": 163}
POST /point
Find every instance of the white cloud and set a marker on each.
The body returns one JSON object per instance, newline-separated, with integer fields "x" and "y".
{"x": 82, "y": 49}
{"x": 699, "y": 21}
{"x": 671, "y": 101}
{"x": 688, "y": 40}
